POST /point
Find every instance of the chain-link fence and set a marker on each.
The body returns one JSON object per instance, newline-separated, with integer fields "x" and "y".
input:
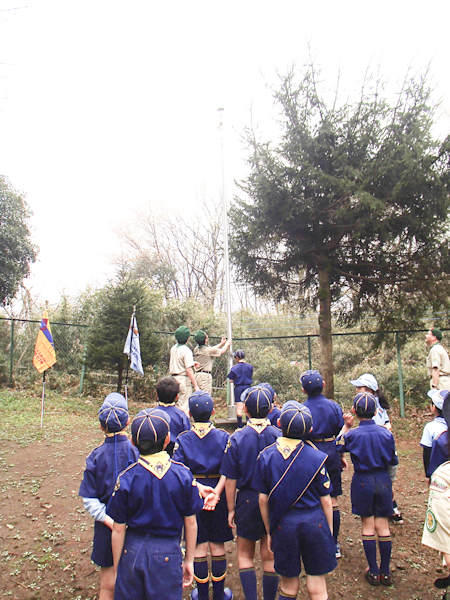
{"x": 396, "y": 358}
{"x": 17, "y": 341}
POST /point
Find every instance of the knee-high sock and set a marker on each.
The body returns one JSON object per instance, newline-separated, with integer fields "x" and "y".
{"x": 201, "y": 576}
{"x": 385, "y": 546}
{"x": 239, "y": 422}
{"x": 336, "y": 523}
{"x": 248, "y": 581}
{"x": 370, "y": 548}
{"x": 218, "y": 574}
{"x": 270, "y": 585}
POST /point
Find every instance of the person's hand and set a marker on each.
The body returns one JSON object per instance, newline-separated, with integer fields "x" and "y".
{"x": 188, "y": 573}
{"x": 349, "y": 419}
{"x": 197, "y": 365}
{"x": 344, "y": 463}
{"x": 231, "y": 522}
{"x": 211, "y": 501}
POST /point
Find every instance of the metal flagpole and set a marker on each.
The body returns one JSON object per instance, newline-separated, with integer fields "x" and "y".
{"x": 43, "y": 396}
{"x": 230, "y": 390}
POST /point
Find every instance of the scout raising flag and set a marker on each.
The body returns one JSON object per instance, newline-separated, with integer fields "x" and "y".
{"x": 44, "y": 354}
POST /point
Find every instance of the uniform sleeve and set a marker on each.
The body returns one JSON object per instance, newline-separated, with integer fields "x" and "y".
{"x": 178, "y": 454}
{"x": 117, "y": 506}
{"x": 229, "y": 462}
{"x": 321, "y": 482}
{"x": 343, "y": 442}
{"x": 427, "y": 440}
{"x": 435, "y": 359}
{"x": 438, "y": 455}
{"x": 88, "y": 487}
{"x": 194, "y": 502}
{"x": 213, "y": 351}
{"x": 339, "y": 421}
{"x": 231, "y": 375}
{"x": 186, "y": 423}
{"x": 188, "y": 358}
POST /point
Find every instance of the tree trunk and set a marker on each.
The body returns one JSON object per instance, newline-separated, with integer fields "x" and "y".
{"x": 326, "y": 342}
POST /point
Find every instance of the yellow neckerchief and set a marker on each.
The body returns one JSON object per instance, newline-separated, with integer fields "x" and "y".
{"x": 258, "y": 424}
{"x": 116, "y": 433}
{"x": 158, "y": 464}
{"x": 169, "y": 404}
{"x": 202, "y": 429}
{"x": 286, "y": 446}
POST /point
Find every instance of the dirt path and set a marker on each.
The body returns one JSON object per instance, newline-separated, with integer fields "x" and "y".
{"x": 46, "y": 535}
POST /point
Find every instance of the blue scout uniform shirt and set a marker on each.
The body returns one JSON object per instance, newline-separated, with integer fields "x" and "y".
{"x": 328, "y": 419}
{"x": 179, "y": 421}
{"x": 243, "y": 448}
{"x": 104, "y": 464}
{"x": 439, "y": 453}
{"x": 154, "y": 495}
{"x": 293, "y": 474}
{"x": 201, "y": 449}
{"x": 241, "y": 375}
{"x": 371, "y": 447}
{"x": 274, "y": 415}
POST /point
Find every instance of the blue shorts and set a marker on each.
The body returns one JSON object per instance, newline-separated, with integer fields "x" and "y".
{"x": 102, "y": 550}
{"x": 238, "y": 389}
{"x": 333, "y": 465}
{"x": 150, "y": 568}
{"x": 213, "y": 524}
{"x": 249, "y": 523}
{"x": 371, "y": 494}
{"x": 303, "y": 535}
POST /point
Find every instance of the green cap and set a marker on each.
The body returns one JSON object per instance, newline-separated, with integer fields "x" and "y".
{"x": 182, "y": 334}
{"x": 200, "y": 337}
{"x": 437, "y": 333}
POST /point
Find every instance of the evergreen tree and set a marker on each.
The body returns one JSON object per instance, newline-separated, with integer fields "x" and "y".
{"x": 348, "y": 213}
{"x": 109, "y": 329}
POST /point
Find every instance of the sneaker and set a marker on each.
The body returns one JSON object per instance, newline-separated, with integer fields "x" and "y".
{"x": 442, "y": 583}
{"x": 338, "y": 551}
{"x": 372, "y": 578}
{"x": 227, "y": 594}
{"x": 396, "y": 518}
{"x": 385, "y": 579}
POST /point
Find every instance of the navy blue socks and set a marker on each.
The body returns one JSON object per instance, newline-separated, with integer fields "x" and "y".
{"x": 218, "y": 574}
{"x": 201, "y": 576}
{"x": 370, "y": 549}
{"x": 248, "y": 581}
{"x": 270, "y": 585}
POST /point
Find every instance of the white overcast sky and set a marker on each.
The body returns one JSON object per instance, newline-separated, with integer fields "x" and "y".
{"x": 106, "y": 106}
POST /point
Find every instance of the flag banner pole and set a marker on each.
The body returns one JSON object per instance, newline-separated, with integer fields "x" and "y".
{"x": 43, "y": 396}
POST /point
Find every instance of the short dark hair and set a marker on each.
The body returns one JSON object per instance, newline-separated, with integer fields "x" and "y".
{"x": 262, "y": 414}
{"x": 202, "y": 417}
{"x": 147, "y": 447}
{"x": 316, "y": 391}
{"x": 167, "y": 389}
{"x": 362, "y": 414}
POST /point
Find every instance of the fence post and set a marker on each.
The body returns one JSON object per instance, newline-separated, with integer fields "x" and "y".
{"x": 11, "y": 353}
{"x": 400, "y": 376}
{"x": 309, "y": 352}
{"x": 83, "y": 368}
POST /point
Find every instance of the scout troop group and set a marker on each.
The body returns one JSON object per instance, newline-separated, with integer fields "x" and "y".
{"x": 275, "y": 483}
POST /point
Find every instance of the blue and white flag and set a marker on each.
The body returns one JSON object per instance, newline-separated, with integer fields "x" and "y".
{"x": 133, "y": 348}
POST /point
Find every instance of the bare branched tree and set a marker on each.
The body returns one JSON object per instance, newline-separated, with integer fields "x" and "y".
{"x": 181, "y": 253}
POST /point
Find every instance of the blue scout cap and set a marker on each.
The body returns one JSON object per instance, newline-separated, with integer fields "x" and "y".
{"x": 366, "y": 380}
{"x": 311, "y": 380}
{"x": 290, "y": 404}
{"x": 269, "y": 388}
{"x": 113, "y": 413}
{"x": 437, "y": 397}
{"x": 366, "y": 402}
{"x": 200, "y": 402}
{"x": 258, "y": 399}
{"x": 239, "y": 354}
{"x": 295, "y": 420}
{"x": 150, "y": 424}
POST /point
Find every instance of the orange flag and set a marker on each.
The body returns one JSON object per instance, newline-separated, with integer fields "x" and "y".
{"x": 44, "y": 351}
